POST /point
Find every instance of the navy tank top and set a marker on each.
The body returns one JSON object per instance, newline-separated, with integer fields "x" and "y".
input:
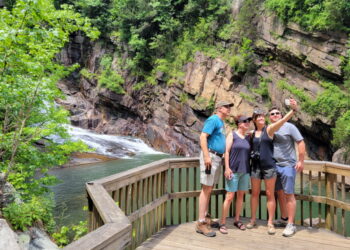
{"x": 239, "y": 154}
{"x": 266, "y": 151}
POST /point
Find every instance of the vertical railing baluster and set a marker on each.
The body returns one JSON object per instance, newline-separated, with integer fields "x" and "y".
{"x": 195, "y": 200}
{"x": 301, "y": 201}
{"x": 335, "y": 196}
{"x": 172, "y": 205}
{"x": 343, "y": 199}
{"x": 187, "y": 199}
{"x": 329, "y": 208}
{"x": 319, "y": 194}
{"x": 180, "y": 199}
{"x": 310, "y": 202}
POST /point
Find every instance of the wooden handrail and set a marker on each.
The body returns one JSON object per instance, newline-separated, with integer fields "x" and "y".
{"x": 128, "y": 207}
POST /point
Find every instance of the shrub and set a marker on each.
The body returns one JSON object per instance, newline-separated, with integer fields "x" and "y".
{"x": 23, "y": 215}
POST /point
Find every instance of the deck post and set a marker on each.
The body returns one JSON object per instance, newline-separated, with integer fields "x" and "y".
{"x": 330, "y": 179}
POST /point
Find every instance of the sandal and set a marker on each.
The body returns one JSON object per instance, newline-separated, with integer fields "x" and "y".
{"x": 239, "y": 225}
{"x": 271, "y": 229}
{"x": 251, "y": 225}
{"x": 223, "y": 229}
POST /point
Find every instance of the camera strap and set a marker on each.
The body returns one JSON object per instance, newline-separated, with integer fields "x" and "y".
{"x": 252, "y": 138}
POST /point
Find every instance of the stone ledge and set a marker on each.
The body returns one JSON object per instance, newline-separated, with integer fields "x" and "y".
{"x": 8, "y": 237}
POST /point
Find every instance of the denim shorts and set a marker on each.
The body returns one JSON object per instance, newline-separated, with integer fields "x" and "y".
{"x": 262, "y": 173}
{"x": 239, "y": 181}
{"x": 286, "y": 179}
{"x": 216, "y": 166}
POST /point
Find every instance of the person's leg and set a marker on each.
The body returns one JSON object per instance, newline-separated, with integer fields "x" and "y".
{"x": 280, "y": 193}
{"x": 254, "y": 199}
{"x": 243, "y": 186}
{"x": 204, "y": 198}
{"x": 288, "y": 181}
{"x": 239, "y": 204}
{"x": 291, "y": 207}
{"x": 282, "y": 203}
{"x": 226, "y": 206}
{"x": 271, "y": 202}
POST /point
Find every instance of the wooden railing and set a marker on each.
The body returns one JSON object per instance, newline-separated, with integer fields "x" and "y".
{"x": 127, "y": 208}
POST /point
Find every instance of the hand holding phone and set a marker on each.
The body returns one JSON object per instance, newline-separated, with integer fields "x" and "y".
{"x": 208, "y": 169}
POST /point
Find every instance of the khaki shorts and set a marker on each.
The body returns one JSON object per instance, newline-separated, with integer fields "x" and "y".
{"x": 216, "y": 167}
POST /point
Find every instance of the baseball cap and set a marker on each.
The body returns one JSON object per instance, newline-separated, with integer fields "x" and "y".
{"x": 223, "y": 103}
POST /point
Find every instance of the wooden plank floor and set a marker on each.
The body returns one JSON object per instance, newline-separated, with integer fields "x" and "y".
{"x": 184, "y": 237}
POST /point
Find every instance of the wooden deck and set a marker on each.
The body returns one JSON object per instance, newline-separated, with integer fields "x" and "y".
{"x": 184, "y": 237}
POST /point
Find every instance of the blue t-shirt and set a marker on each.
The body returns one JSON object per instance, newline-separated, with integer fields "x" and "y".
{"x": 215, "y": 127}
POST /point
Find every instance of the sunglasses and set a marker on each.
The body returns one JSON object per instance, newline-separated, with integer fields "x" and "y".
{"x": 245, "y": 121}
{"x": 275, "y": 113}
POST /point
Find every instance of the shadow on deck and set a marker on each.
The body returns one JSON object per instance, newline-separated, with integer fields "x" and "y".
{"x": 183, "y": 236}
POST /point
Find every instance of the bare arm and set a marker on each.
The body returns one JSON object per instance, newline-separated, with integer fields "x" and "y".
{"x": 301, "y": 156}
{"x": 272, "y": 128}
{"x": 229, "y": 142}
{"x": 204, "y": 146}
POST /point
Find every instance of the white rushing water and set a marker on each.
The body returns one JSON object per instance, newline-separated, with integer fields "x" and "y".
{"x": 112, "y": 145}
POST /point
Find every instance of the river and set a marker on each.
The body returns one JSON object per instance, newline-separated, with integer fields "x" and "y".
{"x": 70, "y": 196}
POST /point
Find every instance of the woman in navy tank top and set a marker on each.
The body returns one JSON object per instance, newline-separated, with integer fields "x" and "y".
{"x": 264, "y": 165}
{"x": 236, "y": 170}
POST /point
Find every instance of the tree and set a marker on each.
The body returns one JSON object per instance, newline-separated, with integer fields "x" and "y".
{"x": 31, "y": 35}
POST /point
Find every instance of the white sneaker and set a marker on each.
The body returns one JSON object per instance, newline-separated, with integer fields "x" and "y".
{"x": 289, "y": 230}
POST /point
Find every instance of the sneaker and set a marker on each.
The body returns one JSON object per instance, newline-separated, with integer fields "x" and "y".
{"x": 289, "y": 230}
{"x": 203, "y": 228}
{"x": 280, "y": 223}
{"x": 211, "y": 222}
{"x": 271, "y": 229}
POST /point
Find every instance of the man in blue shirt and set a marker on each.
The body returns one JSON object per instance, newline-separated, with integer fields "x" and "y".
{"x": 212, "y": 142}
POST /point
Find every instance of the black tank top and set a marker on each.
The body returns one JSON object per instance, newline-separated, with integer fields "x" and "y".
{"x": 266, "y": 151}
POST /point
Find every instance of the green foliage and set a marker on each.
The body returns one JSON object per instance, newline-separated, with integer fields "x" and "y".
{"x": 23, "y": 215}
{"x": 332, "y": 103}
{"x": 63, "y": 236}
{"x": 201, "y": 101}
{"x": 183, "y": 97}
{"x": 247, "y": 97}
{"x": 242, "y": 60}
{"x": 95, "y": 10}
{"x": 87, "y": 74}
{"x": 32, "y": 33}
{"x": 152, "y": 29}
{"x": 80, "y": 229}
{"x": 346, "y": 68}
{"x": 245, "y": 18}
{"x": 341, "y": 132}
{"x": 108, "y": 77}
{"x": 263, "y": 89}
{"x": 314, "y": 14}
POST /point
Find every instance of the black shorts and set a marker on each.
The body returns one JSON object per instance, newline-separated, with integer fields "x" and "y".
{"x": 263, "y": 173}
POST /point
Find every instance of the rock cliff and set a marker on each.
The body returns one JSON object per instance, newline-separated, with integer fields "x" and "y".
{"x": 170, "y": 117}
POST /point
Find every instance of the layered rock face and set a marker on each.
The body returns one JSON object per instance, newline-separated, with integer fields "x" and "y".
{"x": 170, "y": 118}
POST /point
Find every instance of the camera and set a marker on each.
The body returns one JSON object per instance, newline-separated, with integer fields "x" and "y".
{"x": 208, "y": 170}
{"x": 255, "y": 155}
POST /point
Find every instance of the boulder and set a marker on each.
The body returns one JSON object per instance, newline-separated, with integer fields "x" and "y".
{"x": 8, "y": 239}
{"x": 40, "y": 241}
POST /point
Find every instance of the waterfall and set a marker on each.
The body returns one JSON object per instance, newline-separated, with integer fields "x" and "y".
{"x": 111, "y": 145}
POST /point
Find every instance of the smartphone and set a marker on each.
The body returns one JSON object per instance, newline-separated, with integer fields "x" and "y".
{"x": 208, "y": 170}
{"x": 287, "y": 102}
